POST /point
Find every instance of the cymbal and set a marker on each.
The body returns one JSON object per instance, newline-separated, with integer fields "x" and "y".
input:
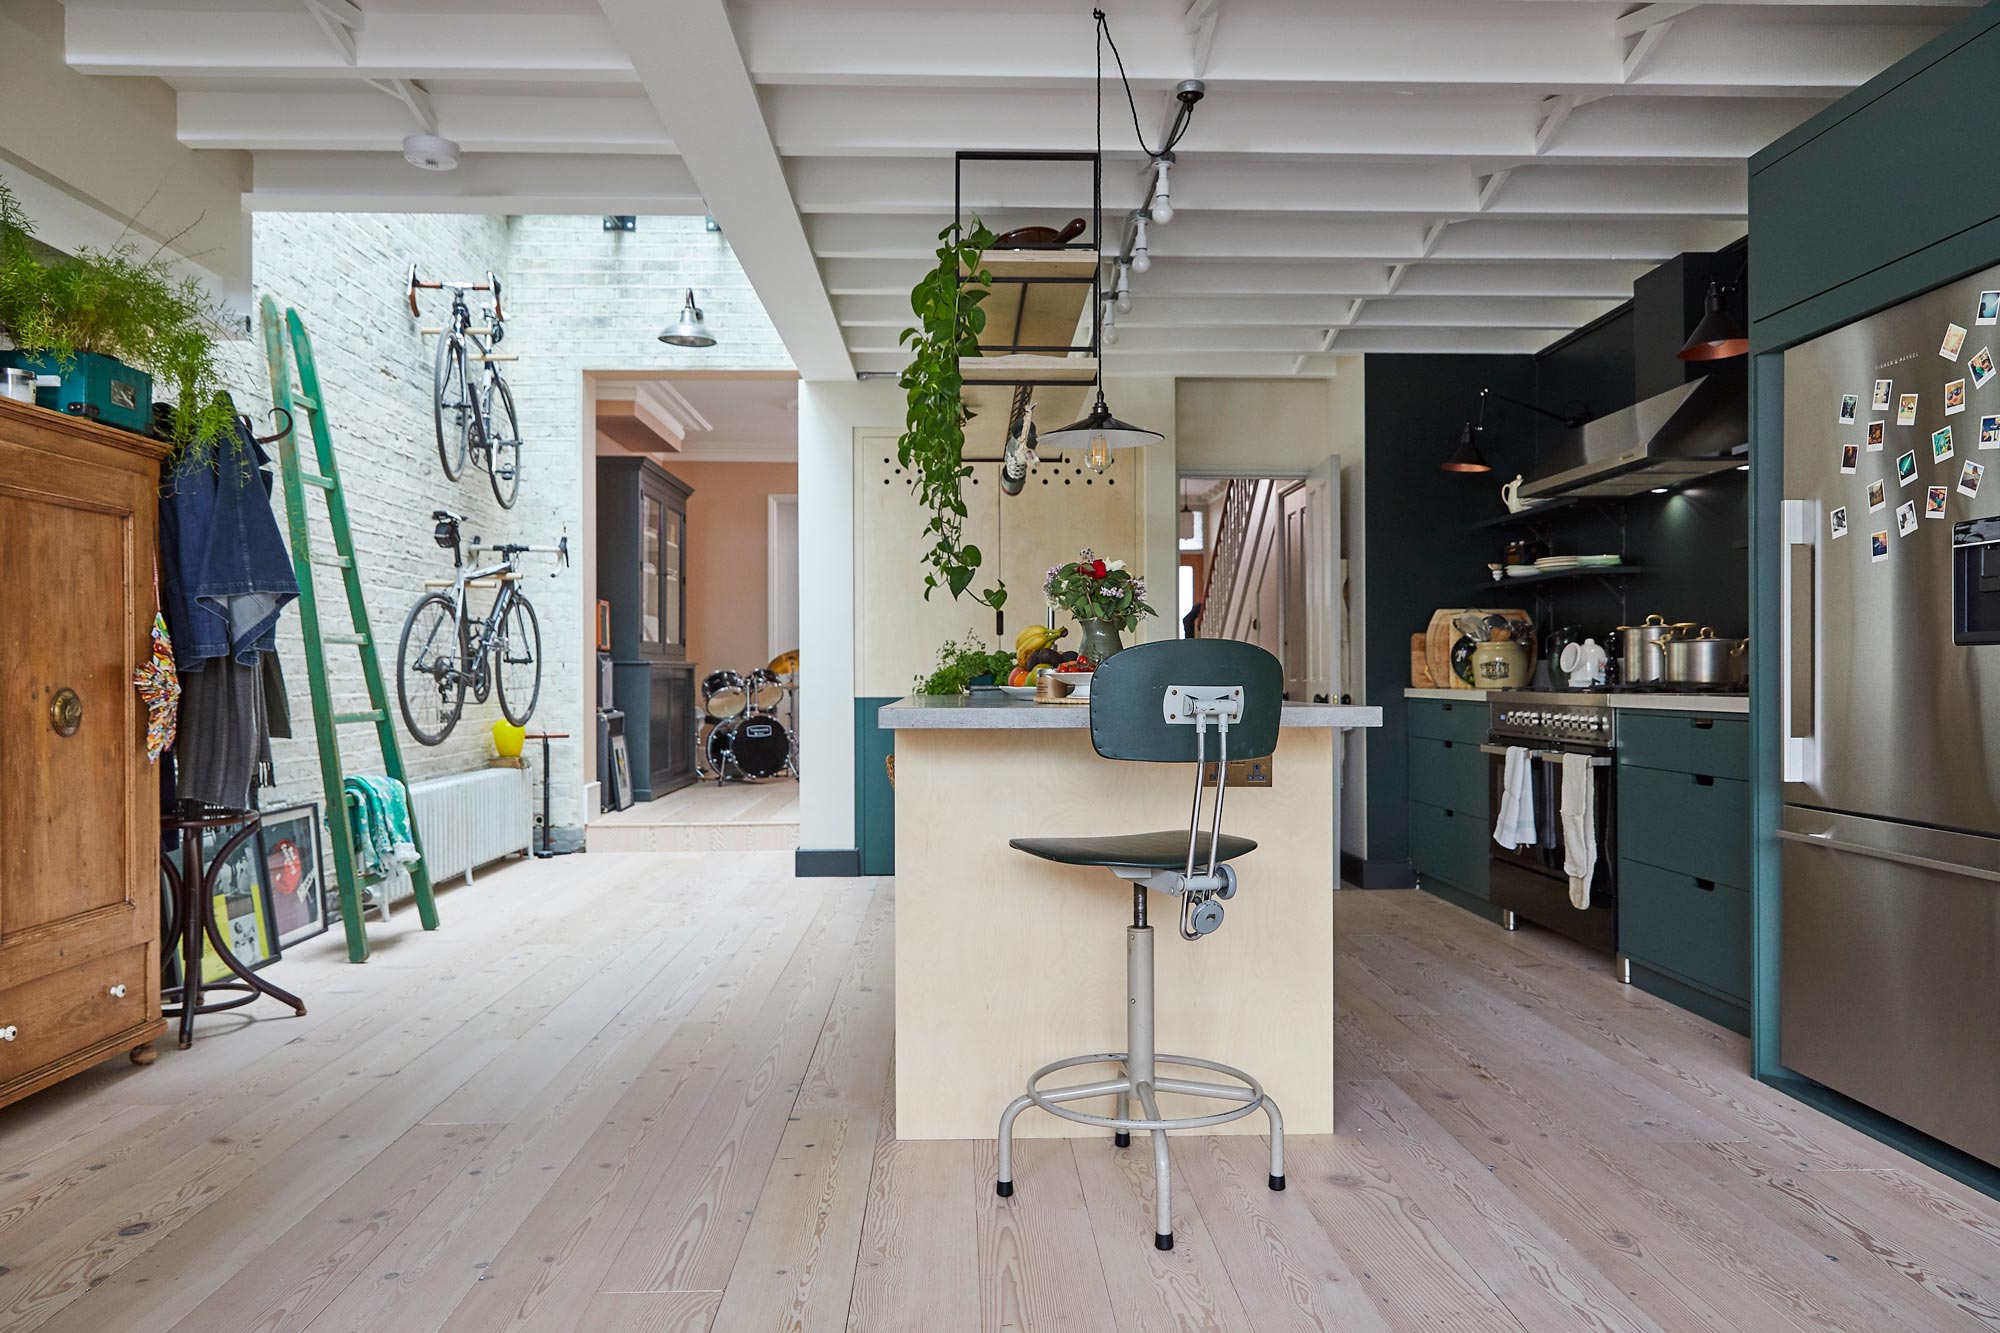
{"x": 784, "y": 664}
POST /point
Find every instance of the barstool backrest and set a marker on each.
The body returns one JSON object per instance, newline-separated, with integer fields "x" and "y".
{"x": 1128, "y": 692}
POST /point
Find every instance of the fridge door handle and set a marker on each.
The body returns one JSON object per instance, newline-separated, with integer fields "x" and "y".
{"x": 1824, "y": 838}
{"x": 1798, "y": 657}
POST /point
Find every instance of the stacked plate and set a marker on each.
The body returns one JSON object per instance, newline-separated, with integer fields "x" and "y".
{"x": 1550, "y": 564}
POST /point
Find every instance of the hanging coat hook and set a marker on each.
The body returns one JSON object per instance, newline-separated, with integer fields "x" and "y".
{"x": 282, "y": 431}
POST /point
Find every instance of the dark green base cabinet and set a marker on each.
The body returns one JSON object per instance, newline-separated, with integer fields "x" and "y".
{"x": 1684, "y": 860}
{"x": 1448, "y": 801}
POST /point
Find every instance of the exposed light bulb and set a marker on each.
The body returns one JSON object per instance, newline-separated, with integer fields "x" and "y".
{"x": 1124, "y": 289}
{"x": 1097, "y": 456}
{"x": 1110, "y": 323}
{"x": 1163, "y": 207}
{"x": 1142, "y": 259}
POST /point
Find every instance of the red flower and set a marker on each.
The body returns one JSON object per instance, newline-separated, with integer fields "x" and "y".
{"x": 1095, "y": 569}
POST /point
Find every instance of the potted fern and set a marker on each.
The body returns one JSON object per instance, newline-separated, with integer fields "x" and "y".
{"x": 110, "y": 323}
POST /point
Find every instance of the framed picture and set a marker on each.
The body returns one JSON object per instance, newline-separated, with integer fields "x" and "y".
{"x": 621, "y": 771}
{"x": 294, "y": 873}
{"x": 243, "y": 911}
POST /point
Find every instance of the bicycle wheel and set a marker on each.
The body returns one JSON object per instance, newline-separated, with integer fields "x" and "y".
{"x": 517, "y": 661}
{"x": 451, "y": 405}
{"x": 503, "y": 443}
{"x": 430, "y": 683}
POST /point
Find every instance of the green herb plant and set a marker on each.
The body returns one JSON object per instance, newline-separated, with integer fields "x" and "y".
{"x": 122, "y": 304}
{"x": 960, "y": 662}
{"x": 932, "y": 447}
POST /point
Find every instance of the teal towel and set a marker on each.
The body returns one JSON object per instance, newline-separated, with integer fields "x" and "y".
{"x": 378, "y": 812}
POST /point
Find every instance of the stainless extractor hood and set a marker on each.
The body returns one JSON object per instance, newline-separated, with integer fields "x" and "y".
{"x": 1692, "y": 430}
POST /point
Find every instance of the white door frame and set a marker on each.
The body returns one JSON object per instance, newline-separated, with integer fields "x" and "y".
{"x": 781, "y": 574}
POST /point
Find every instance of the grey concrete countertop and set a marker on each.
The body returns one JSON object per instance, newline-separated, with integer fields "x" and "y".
{"x": 997, "y": 712}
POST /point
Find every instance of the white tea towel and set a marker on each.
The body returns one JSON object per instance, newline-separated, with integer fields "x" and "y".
{"x": 1579, "y": 826}
{"x": 1516, "y": 825}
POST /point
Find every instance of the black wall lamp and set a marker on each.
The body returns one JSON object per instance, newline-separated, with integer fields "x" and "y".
{"x": 1467, "y": 457}
{"x": 1718, "y": 337}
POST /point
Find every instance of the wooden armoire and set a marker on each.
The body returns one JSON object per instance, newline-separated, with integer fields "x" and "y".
{"x": 79, "y": 804}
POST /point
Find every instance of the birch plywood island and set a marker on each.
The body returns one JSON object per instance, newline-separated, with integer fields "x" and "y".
{"x": 1005, "y": 962}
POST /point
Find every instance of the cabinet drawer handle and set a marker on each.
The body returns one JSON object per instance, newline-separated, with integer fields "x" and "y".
{"x": 1705, "y": 885}
{"x": 8, "y": 1033}
{"x": 1704, "y": 724}
{"x": 1447, "y": 744}
{"x": 1702, "y": 779}
{"x": 118, "y": 991}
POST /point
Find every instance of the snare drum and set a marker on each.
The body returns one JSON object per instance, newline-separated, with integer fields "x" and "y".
{"x": 767, "y": 692}
{"x": 723, "y": 694}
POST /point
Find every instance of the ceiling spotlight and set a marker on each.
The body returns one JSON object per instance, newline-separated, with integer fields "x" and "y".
{"x": 1124, "y": 289}
{"x": 690, "y": 330}
{"x": 430, "y": 152}
{"x": 1142, "y": 261}
{"x": 1162, "y": 208}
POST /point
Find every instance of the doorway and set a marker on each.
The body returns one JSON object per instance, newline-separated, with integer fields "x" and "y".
{"x": 726, "y": 445}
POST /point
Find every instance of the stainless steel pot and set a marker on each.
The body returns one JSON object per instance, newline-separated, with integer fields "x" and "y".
{"x": 1641, "y": 660}
{"x": 1703, "y": 659}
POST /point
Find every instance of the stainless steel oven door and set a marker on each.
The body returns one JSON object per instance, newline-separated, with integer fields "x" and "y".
{"x": 1529, "y": 880}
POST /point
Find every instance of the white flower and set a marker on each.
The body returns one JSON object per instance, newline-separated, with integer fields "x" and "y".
{"x": 1115, "y": 565}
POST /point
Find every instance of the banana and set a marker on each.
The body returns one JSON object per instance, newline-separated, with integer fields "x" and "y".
{"x": 1033, "y": 639}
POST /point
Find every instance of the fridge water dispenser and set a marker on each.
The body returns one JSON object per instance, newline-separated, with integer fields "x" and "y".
{"x": 1975, "y": 580}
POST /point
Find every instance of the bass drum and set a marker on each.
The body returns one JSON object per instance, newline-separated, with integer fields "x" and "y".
{"x": 759, "y": 747}
{"x": 722, "y": 694}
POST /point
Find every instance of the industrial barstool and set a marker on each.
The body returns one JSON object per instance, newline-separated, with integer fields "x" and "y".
{"x": 1156, "y": 703}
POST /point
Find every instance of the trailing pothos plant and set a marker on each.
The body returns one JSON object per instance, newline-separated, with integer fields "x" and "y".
{"x": 126, "y": 305}
{"x": 932, "y": 447}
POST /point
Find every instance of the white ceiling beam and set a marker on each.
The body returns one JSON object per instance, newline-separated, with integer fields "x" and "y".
{"x": 1640, "y": 53}
{"x": 414, "y": 99}
{"x": 692, "y": 68}
{"x": 364, "y": 120}
{"x": 1641, "y": 19}
{"x": 1489, "y": 186}
{"x": 1554, "y": 112}
{"x": 192, "y": 44}
{"x": 1200, "y": 20}
{"x": 338, "y": 21}
{"x": 499, "y": 183}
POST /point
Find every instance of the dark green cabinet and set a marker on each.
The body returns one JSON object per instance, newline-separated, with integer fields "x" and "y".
{"x": 641, "y": 569}
{"x": 1684, "y": 859}
{"x": 1448, "y": 795}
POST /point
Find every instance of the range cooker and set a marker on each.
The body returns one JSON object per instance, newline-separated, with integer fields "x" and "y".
{"x": 1529, "y": 881}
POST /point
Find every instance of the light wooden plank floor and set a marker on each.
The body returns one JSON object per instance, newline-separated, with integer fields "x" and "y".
{"x": 640, "y": 1093}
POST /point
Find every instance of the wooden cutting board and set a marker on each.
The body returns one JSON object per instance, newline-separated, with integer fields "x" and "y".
{"x": 1420, "y": 669}
{"x": 1441, "y": 634}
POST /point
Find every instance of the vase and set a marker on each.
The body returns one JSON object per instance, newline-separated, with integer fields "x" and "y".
{"x": 1100, "y": 640}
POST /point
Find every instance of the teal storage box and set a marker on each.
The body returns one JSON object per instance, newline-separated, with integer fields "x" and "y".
{"x": 120, "y": 395}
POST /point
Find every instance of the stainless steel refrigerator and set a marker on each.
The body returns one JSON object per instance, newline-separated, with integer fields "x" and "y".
{"x": 1890, "y": 954}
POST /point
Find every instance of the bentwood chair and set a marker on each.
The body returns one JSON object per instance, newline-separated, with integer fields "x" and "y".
{"x": 1191, "y": 701}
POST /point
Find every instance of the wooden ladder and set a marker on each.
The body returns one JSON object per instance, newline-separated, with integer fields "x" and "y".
{"x": 325, "y": 477}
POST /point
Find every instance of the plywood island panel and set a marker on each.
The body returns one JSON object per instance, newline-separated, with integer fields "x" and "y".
{"x": 1005, "y": 962}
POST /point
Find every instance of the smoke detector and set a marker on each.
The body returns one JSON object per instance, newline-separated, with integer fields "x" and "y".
{"x": 430, "y": 152}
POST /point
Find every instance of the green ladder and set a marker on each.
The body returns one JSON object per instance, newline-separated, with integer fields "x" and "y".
{"x": 325, "y": 477}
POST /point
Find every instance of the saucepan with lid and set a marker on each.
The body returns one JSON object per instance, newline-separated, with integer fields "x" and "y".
{"x": 1641, "y": 660}
{"x": 1704, "y": 659}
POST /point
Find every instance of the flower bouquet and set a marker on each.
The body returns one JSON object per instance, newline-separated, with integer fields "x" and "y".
{"x": 1099, "y": 595}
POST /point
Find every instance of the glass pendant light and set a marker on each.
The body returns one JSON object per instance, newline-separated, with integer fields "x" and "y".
{"x": 690, "y": 330}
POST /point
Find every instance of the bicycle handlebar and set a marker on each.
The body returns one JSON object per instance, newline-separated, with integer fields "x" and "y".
{"x": 416, "y": 284}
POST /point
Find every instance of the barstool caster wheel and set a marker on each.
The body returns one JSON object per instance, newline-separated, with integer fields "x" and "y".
{"x": 1004, "y": 1188}
{"x": 1122, "y": 1139}
{"x": 1277, "y": 1182}
{"x": 1163, "y": 1241}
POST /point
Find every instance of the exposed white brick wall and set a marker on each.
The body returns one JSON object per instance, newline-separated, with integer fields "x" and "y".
{"x": 579, "y": 300}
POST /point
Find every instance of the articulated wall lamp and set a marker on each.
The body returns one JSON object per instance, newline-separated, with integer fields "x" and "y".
{"x": 1468, "y": 458}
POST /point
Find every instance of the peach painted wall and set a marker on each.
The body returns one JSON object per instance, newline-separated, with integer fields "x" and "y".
{"x": 728, "y": 588}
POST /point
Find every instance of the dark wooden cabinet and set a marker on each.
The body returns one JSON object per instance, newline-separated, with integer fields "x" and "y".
{"x": 642, "y": 574}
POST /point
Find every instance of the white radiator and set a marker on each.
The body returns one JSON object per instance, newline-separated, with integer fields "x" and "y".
{"x": 467, "y": 820}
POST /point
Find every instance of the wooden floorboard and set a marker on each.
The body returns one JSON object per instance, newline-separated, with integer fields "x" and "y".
{"x": 653, "y": 1093}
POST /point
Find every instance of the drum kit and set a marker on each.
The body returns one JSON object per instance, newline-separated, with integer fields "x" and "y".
{"x": 744, "y": 739}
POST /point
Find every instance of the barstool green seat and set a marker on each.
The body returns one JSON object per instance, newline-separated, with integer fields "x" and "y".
{"x": 1159, "y": 703}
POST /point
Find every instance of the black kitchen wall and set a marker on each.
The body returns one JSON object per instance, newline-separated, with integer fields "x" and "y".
{"x": 1423, "y": 551}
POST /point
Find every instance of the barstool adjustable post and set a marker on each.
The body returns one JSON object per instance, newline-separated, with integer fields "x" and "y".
{"x": 1196, "y": 868}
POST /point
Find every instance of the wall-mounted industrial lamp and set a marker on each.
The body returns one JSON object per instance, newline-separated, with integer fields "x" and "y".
{"x": 1467, "y": 457}
{"x": 1718, "y": 337}
{"x": 690, "y": 330}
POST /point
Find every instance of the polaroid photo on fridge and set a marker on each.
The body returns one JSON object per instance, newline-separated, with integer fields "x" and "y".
{"x": 1989, "y": 308}
{"x": 1879, "y": 401}
{"x": 1906, "y": 410}
{"x": 1989, "y": 432}
{"x": 1878, "y": 495}
{"x": 1850, "y": 407}
{"x": 1877, "y": 430}
{"x": 1906, "y": 518}
{"x": 1878, "y": 547}
{"x": 1836, "y": 519}
{"x": 1850, "y": 458}
{"x": 1906, "y": 467}
{"x": 1954, "y": 340}
{"x": 1935, "y": 500}
{"x": 1954, "y": 398}
{"x": 1940, "y": 444}
{"x": 1981, "y": 367}
{"x": 1969, "y": 478}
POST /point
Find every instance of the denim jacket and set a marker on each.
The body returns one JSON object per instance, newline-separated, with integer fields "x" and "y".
{"x": 224, "y": 572}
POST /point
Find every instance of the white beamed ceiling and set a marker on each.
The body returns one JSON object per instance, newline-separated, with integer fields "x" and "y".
{"x": 1365, "y": 176}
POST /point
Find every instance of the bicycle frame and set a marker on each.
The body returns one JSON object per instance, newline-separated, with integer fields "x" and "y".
{"x": 489, "y": 627}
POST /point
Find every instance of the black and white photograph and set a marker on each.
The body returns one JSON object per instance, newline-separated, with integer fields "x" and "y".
{"x": 1836, "y": 521}
{"x": 1906, "y": 518}
{"x": 1879, "y": 401}
{"x": 1850, "y": 407}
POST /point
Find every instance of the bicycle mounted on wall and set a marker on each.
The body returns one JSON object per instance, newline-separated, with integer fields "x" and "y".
{"x": 444, "y": 651}
{"x": 475, "y": 422}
